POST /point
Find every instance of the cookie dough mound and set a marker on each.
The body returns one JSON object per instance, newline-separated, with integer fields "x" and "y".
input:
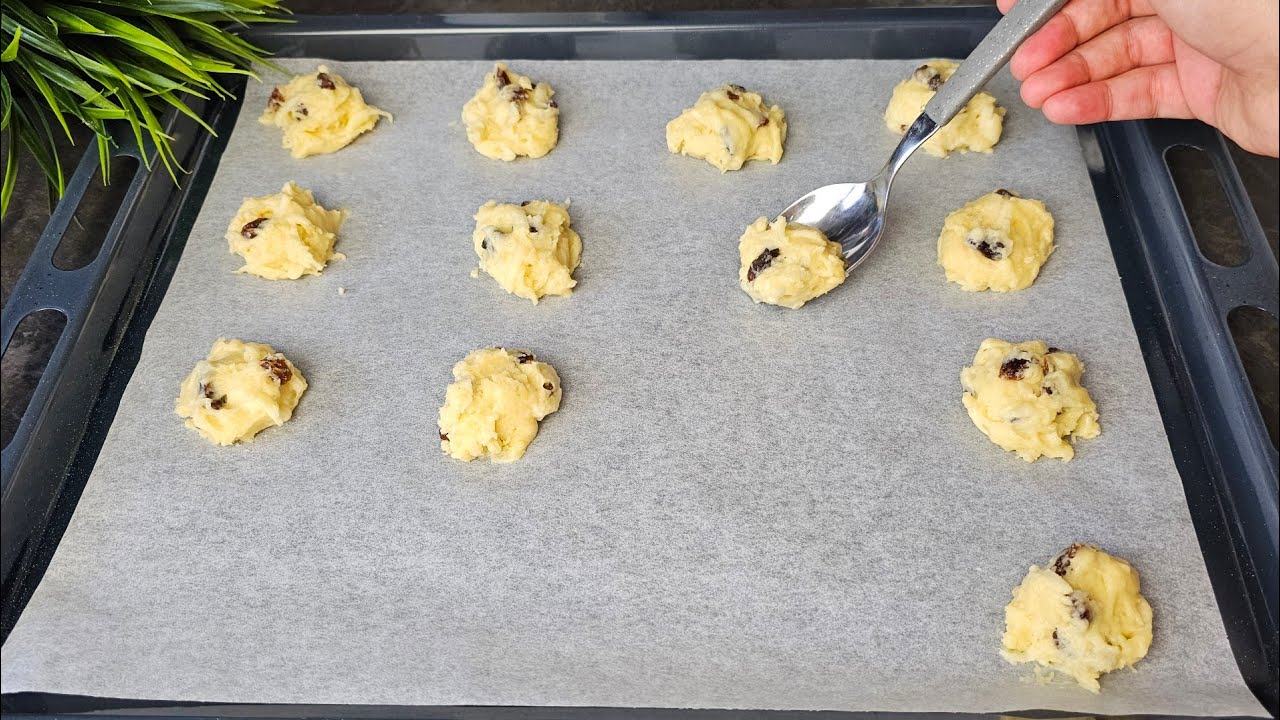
{"x": 788, "y": 264}
{"x": 510, "y": 116}
{"x": 1082, "y": 616}
{"x": 238, "y": 391}
{"x": 319, "y": 113}
{"x": 998, "y": 242}
{"x": 976, "y": 128}
{"x": 493, "y": 407}
{"x": 528, "y": 248}
{"x": 1027, "y": 398}
{"x": 284, "y": 236}
{"x": 727, "y": 127}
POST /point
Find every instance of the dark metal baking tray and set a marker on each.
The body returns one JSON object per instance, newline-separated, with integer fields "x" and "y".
{"x": 1178, "y": 302}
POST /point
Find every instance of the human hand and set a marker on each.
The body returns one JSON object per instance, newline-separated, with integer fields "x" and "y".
{"x": 1128, "y": 59}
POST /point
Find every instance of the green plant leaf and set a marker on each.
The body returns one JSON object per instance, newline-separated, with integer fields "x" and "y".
{"x": 11, "y": 50}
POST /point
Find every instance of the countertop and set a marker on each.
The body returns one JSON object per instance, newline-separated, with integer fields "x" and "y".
{"x": 24, "y": 360}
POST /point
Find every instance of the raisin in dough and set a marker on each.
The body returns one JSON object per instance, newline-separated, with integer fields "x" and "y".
{"x": 238, "y": 391}
{"x": 319, "y": 113}
{"x": 510, "y": 116}
{"x": 976, "y": 128}
{"x": 284, "y": 236}
{"x": 493, "y": 407}
{"x": 727, "y": 127}
{"x": 528, "y": 248}
{"x": 998, "y": 242}
{"x": 788, "y": 264}
{"x": 1083, "y": 616}
{"x": 1027, "y": 398}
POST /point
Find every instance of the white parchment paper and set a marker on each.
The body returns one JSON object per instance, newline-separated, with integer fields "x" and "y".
{"x": 737, "y": 506}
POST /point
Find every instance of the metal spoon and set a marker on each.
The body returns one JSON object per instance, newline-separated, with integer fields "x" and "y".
{"x": 853, "y": 214}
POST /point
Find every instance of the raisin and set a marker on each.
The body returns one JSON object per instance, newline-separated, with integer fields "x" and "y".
{"x": 525, "y": 203}
{"x": 761, "y": 263}
{"x": 732, "y": 95}
{"x": 1005, "y": 193}
{"x": 250, "y": 229}
{"x": 533, "y": 229}
{"x": 444, "y": 436}
{"x": 277, "y": 99}
{"x": 1080, "y": 608}
{"x": 548, "y": 387}
{"x": 519, "y": 95}
{"x": 484, "y": 244}
{"x": 553, "y": 104}
{"x": 1013, "y": 368}
{"x": 1056, "y": 641}
{"x": 324, "y": 81}
{"x": 501, "y": 76}
{"x": 278, "y": 368}
{"x": 524, "y": 357}
{"x": 300, "y": 112}
{"x": 1047, "y": 390}
{"x": 1063, "y": 561}
{"x": 763, "y": 121}
{"x": 1054, "y": 349}
{"x": 215, "y": 403}
{"x": 927, "y": 75}
{"x": 989, "y": 251}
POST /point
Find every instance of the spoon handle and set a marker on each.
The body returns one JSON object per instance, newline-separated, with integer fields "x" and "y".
{"x": 991, "y": 54}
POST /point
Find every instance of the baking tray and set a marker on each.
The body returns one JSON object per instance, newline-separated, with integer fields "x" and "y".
{"x": 1178, "y": 300}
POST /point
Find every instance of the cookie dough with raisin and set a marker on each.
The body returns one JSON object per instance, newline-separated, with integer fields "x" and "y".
{"x": 1027, "y": 398}
{"x": 788, "y": 264}
{"x": 727, "y": 127}
{"x": 528, "y": 248}
{"x": 976, "y": 128}
{"x": 1083, "y": 616}
{"x": 241, "y": 389}
{"x": 319, "y": 113}
{"x": 511, "y": 116}
{"x": 284, "y": 236}
{"x": 998, "y": 242}
{"x": 493, "y": 407}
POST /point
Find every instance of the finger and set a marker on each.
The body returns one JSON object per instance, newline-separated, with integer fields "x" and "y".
{"x": 1076, "y": 23}
{"x": 1132, "y": 44}
{"x": 1146, "y": 92}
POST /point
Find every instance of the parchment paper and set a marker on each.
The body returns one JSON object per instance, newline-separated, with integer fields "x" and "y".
{"x": 737, "y": 506}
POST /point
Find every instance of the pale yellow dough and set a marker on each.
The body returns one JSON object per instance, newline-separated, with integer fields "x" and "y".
{"x": 319, "y": 113}
{"x": 493, "y": 407}
{"x": 976, "y": 128}
{"x": 510, "y": 116}
{"x": 284, "y": 236}
{"x": 528, "y": 248}
{"x": 788, "y": 264}
{"x": 998, "y": 242}
{"x": 1027, "y": 398}
{"x": 727, "y": 127}
{"x": 238, "y": 391}
{"x": 1084, "y": 615}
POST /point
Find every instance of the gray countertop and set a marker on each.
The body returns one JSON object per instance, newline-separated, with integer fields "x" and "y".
{"x": 24, "y": 360}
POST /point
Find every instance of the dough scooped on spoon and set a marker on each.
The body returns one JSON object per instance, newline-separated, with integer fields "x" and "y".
{"x": 976, "y": 128}
{"x": 788, "y": 264}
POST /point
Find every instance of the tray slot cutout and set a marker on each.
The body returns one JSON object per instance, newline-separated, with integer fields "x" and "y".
{"x": 1206, "y": 211}
{"x": 1256, "y": 334}
{"x": 81, "y": 244}
{"x": 28, "y": 354}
